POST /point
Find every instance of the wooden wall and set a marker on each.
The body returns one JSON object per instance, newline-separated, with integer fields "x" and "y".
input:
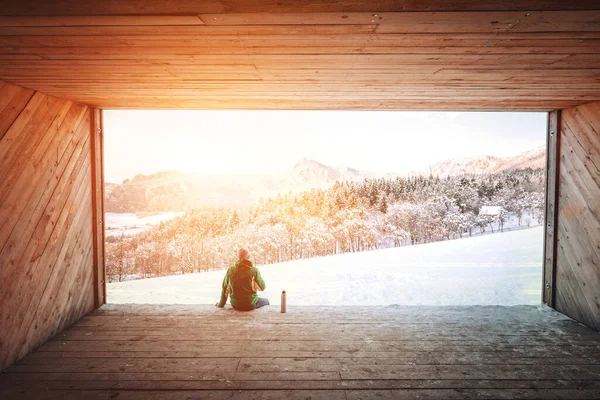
{"x": 306, "y": 54}
{"x": 47, "y": 275}
{"x": 577, "y": 285}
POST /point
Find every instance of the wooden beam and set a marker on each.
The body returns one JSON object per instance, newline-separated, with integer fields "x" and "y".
{"x": 97, "y": 146}
{"x": 181, "y": 7}
{"x": 116, "y": 20}
{"x": 550, "y": 228}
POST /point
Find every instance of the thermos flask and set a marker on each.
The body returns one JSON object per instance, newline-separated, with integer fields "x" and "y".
{"x": 283, "y": 302}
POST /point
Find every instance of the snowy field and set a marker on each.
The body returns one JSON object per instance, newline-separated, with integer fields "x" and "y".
{"x": 499, "y": 269}
{"x": 129, "y": 224}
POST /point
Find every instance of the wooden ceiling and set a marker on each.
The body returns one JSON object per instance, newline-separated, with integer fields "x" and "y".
{"x": 269, "y": 54}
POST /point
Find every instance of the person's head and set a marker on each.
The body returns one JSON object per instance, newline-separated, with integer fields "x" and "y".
{"x": 243, "y": 253}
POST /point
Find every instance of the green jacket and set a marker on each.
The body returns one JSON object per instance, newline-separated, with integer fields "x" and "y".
{"x": 238, "y": 282}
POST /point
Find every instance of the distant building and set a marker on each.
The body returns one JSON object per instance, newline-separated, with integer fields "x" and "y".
{"x": 491, "y": 210}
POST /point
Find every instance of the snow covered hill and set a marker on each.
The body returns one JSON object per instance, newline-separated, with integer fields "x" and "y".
{"x": 498, "y": 269}
{"x": 181, "y": 191}
{"x": 532, "y": 159}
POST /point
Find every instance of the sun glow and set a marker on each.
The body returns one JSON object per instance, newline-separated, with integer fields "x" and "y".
{"x": 265, "y": 142}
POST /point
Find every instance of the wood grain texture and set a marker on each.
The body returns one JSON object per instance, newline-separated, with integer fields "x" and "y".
{"x": 551, "y": 216}
{"x": 578, "y": 252}
{"x": 172, "y": 352}
{"x": 46, "y": 265}
{"x": 157, "y": 7}
{"x": 262, "y": 54}
{"x": 97, "y": 148}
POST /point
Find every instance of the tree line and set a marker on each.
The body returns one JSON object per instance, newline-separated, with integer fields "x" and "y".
{"x": 348, "y": 217}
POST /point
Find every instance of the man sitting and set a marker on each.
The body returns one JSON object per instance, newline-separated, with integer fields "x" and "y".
{"x": 241, "y": 283}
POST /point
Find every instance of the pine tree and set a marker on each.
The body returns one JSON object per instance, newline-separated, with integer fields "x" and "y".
{"x": 382, "y": 204}
{"x": 235, "y": 220}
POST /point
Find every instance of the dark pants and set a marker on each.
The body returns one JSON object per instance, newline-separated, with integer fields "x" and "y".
{"x": 261, "y": 302}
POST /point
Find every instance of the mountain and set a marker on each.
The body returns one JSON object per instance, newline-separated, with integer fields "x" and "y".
{"x": 313, "y": 174}
{"x": 533, "y": 159}
{"x": 180, "y": 191}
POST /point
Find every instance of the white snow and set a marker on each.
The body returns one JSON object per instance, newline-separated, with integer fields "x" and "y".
{"x": 129, "y": 224}
{"x": 499, "y": 269}
{"x": 491, "y": 210}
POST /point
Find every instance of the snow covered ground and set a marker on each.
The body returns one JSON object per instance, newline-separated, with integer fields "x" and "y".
{"x": 499, "y": 269}
{"x": 129, "y": 224}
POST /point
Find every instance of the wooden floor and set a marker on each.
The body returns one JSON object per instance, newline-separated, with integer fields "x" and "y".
{"x": 176, "y": 352}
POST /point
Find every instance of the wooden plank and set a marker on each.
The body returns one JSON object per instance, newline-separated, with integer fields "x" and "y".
{"x": 13, "y": 100}
{"x": 129, "y": 102}
{"x": 481, "y": 77}
{"x": 120, "y": 54}
{"x": 329, "y": 18}
{"x": 416, "y": 91}
{"x": 460, "y": 372}
{"x": 191, "y": 52}
{"x": 355, "y": 82}
{"x": 155, "y": 7}
{"x": 387, "y": 372}
{"x": 7, "y": 94}
{"x": 166, "y": 38}
{"x": 14, "y": 198}
{"x": 16, "y": 382}
{"x": 107, "y": 364}
{"x": 292, "y": 62}
{"x": 97, "y": 149}
{"x": 423, "y": 91}
{"x": 551, "y": 209}
{"x": 31, "y": 161}
{"x": 12, "y": 137}
{"x": 196, "y": 30}
{"x": 523, "y": 21}
{"x": 280, "y": 349}
{"x": 424, "y": 22}
{"x": 350, "y": 341}
{"x": 105, "y": 333}
{"x": 17, "y": 162}
{"x": 340, "y": 394}
{"x": 96, "y": 20}
{"x": 460, "y": 394}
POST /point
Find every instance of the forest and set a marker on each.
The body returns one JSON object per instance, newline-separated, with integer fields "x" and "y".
{"x": 348, "y": 217}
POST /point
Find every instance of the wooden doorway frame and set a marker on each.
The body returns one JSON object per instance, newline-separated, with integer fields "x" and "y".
{"x": 551, "y": 208}
{"x": 550, "y": 226}
{"x": 97, "y": 142}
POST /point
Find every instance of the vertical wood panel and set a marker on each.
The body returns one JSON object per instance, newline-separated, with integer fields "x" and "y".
{"x": 578, "y": 232}
{"x": 98, "y": 207}
{"x": 46, "y": 230}
{"x": 552, "y": 179}
{"x": 49, "y": 267}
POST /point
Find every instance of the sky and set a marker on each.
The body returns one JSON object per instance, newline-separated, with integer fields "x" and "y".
{"x": 263, "y": 142}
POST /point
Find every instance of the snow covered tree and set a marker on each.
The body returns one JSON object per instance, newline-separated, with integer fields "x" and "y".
{"x": 350, "y": 216}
